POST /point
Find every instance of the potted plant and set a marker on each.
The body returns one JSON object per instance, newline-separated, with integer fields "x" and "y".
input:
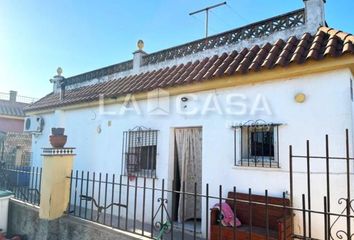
{"x": 58, "y": 139}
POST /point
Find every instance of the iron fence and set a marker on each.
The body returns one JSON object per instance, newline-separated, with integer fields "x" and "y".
{"x": 150, "y": 211}
{"x": 316, "y": 205}
{"x": 23, "y": 182}
{"x": 158, "y": 209}
{"x": 338, "y": 214}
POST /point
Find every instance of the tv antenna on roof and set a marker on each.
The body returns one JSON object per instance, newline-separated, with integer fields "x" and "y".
{"x": 206, "y": 10}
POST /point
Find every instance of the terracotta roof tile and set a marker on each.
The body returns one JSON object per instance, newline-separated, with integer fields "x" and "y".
{"x": 146, "y": 83}
{"x": 247, "y": 60}
{"x": 273, "y": 54}
{"x": 203, "y": 71}
{"x": 138, "y": 81}
{"x": 348, "y": 47}
{"x": 221, "y": 69}
{"x": 161, "y": 76}
{"x": 196, "y": 70}
{"x": 14, "y": 109}
{"x": 260, "y": 58}
{"x": 331, "y": 46}
{"x": 189, "y": 68}
{"x": 236, "y": 62}
{"x": 215, "y": 66}
{"x": 287, "y": 52}
{"x": 124, "y": 83}
{"x": 178, "y": 74}
{"x": 326, "y": 42}
{"x": 316, "y": 47}
{"x": 140, "y": 85}
{"x": 170, "y": 76}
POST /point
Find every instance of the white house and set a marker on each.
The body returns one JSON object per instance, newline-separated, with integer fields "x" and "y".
{"x": 221, "y": 110}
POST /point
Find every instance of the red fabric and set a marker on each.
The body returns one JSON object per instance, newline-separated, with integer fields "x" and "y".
{"x": 2, "y": 237}
{"x": 228, "y": 216}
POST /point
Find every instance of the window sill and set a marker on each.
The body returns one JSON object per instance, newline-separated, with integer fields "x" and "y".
{"x": 140, "y": 176}
{"x": 266, "y": 162}
{"x": 259, "y": 168}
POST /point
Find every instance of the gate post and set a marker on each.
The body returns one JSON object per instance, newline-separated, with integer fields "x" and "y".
{"x": 55, "y": 184}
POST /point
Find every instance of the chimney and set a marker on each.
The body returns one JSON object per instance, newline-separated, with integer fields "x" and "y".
{"x": 13, "y": 96}
{"x": 138, "y": 56}
{"x": 315, "y": 14}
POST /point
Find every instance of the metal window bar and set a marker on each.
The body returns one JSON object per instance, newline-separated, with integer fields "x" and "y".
{"x": 139, "y": 152}
{"x": 259, "y": 144}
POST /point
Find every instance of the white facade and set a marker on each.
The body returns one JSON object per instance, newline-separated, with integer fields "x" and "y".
{"x": 328, "y": 109}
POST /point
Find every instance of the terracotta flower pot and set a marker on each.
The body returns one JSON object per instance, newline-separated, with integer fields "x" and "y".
{"x": 58, "y": 141}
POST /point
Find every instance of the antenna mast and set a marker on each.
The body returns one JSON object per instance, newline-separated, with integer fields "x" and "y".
{"x": 206, "y": 10}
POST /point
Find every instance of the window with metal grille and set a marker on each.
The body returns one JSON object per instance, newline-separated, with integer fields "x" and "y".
{"x": 139, "y": 152}
{"x": 256, "y": 144}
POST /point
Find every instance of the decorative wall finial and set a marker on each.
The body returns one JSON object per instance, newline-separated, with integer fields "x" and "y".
{"x": 59, "y": 71}
{"x": 140, "y": 44}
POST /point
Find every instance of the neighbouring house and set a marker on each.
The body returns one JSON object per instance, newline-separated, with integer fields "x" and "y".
{"x": 15, "y": 145}
{"x": 11, "y": 113}
{"x": 221, "y": 110}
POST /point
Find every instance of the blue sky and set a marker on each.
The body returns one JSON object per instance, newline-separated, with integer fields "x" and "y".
{"x": 37, "y": 36}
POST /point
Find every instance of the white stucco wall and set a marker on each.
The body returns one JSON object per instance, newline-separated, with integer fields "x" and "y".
{"x": 327, "y": 110}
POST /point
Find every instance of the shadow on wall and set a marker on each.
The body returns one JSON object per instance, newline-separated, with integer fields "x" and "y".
{"x": 20, "y": 215}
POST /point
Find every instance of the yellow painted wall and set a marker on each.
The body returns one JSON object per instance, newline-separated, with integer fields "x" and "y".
{"x": 55, "y": 186}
